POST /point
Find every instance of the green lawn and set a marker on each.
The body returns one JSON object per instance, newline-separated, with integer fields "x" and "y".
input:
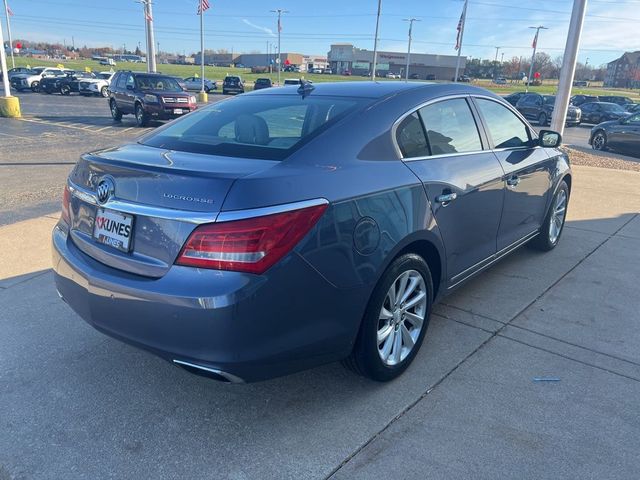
{"x": 218, "y": 73}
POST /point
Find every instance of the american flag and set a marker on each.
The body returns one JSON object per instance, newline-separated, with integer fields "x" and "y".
{"x": 202, "y": 6}
{"x": 9, "y": 11}
{"x": 460, "y": 25}
{"x": 148, "y": 16}
{"x": 535, "y": 41}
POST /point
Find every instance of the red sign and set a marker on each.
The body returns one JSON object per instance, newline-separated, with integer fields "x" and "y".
{"x": 287, "y": 62}
{"x": 536, "y": 75}
{"x": 18, "y": 45}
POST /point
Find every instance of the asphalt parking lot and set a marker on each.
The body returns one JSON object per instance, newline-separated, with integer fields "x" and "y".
{"x": 532, "y": 370}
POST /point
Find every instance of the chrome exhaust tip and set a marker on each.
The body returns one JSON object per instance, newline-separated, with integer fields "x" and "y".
{"x": 212, "y": 373}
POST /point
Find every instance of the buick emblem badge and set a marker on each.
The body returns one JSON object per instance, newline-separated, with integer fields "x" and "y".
{"x": 105, "y": 190}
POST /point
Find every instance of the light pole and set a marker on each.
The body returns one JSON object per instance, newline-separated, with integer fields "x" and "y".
{"x": 279, "y": 11}
{"x": 497, "y": 50}
{"x": 375, "y": 43}
{"x": 559, "y": 115}
{"x": 9, "y": 105}
{"x": 533, "y": 57}
{"x": 6, "y": 15}
{"x": 410, "y": 20}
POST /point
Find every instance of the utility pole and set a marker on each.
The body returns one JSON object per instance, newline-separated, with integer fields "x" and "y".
{"x": 279, "y": 11}
{"x": 410, "y": 20}
{"x": 151, "y": 54}
{"x": 375, "y": 43}
{"x": 497, "y": 49}
{"x": 533, "y": 57}
{"x": 463, "y": 19}
{"x": 6, "y": 15}
{"x": 559, "y": 115}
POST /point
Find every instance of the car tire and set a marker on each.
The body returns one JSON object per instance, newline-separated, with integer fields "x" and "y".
{"x": 224, "y": 92}
{"x": 206, "y": 89}
{"x": 553, "y": 224}
{"x": 116, "y": 114}
{"x": 35, "y": 87}
{"x": 599, "y": 140}
{"x": 142, "y": 117}
{"x": 542, "y": 119}
{"x": 65, "y": 90}
{"x": 104, "y": 91}
{"x": 386, "y": 325}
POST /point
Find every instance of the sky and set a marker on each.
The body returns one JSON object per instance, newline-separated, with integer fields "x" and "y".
{"x": 311, "y": 26}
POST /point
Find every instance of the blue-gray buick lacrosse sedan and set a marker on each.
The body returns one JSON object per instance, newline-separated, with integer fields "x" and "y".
{"x": 296, "y": 226}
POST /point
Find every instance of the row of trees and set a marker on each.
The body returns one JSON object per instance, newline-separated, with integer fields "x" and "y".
{"x": 515, "y": 67}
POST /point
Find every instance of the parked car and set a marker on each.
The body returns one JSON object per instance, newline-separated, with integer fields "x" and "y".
{"x": 414, "y": 76}
{"x": 430, "y": 76}
{"x": 64, "y": 85}
{"x": 316, "y": 70}
{"x": 17, "y": 71}
{"x": 241, "y": 245}
{"x": 622, "y": 134}
{"x": 328, "y": 71}
{"x": 261, "y": 83}
{"x": 513, "y": 98}
{"x": 31, "y": 81}
{"x": 392, "y": 75}
{"x": 632, "y": 108}
{"x": 620, "y": 100}
{"x": 294, "y": 81}
{"x": 500, "y": 81}
{"x": 578, "y": 100}
{"x": 232, "y": 84}
{"x": 467, "y": 79}
{"x": 195, "y": 84}
{"x": 96, "y": 86}
{"x": 108, "y": 61}
{"x": 580, "y": 83}
{"x": 148, "y": 96}
{"x": 598, "y": 112}
{"x": 540, "y": 107}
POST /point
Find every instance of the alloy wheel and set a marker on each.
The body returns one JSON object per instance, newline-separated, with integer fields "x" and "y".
{"x": 401, "y": 317}
{"x": 599, "y": 141}
{"x": 558, "y": 212}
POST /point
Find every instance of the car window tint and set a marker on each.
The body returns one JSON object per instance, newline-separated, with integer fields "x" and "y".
{"x": 122, "y": 81}
{"x": 410, "y": 137}
{"x": 450, "y": 127}
{"x": 130, "y": 80}
{"x": 635, "y": 119}
{"x": 505, "y": 128}
{"x": 266, "y": 127}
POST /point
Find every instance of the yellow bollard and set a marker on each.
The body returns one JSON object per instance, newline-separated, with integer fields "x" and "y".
{"x": 10, "y": 107}
{"x": 203, "y": 97}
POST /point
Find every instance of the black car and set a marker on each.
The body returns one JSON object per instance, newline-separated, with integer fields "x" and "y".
{"x": 17, "y": 71}
{"x": 232, "y": 85}
{"x": 635, "y": 108}
{"x": 578, "y": 100}
{"x": 514, "y": 97}
{"x": 414, "y": 76}
{"x": 431, "y": 76}
{"x": 540, "y": 107}
{"x": 148, "y": 96}
{"x": 598, "y": 112}
{"x": 261, "y": 83}
{"x": 64, "y": 85}
{"x": 619, "y": 99}
{"x": 622, "y": 134}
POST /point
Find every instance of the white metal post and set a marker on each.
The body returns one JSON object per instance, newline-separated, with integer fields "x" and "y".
{"x": 375, "y": 43}
{"x": 201, "y": 48}
{"x": 559, "y": 115}
{"x": 151, "y": 52}
{"x": 3, "y": 64}
{"x": 6, "y": 13}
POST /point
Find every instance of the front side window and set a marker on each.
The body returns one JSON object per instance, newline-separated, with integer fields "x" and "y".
{"x": 264, "y": 127}
{"x": 410, "y": 137}
{"x": 450, "y": 127}
{"x": 122, "y": 82}
{"x": 505, "y": 128}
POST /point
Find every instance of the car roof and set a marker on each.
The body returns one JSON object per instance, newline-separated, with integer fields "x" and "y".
{"x": 380, "y": 90}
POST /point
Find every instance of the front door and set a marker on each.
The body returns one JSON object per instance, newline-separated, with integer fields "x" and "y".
{"x": 527, "y": 171}
{"x": 442, "y": 145}
{"x": 625, "y": 135}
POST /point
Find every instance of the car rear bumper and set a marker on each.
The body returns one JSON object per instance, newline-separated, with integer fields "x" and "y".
{"x": 250, "y": 327}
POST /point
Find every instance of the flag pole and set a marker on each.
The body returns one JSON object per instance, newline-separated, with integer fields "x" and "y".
{"x": 533, "y": 57}
{"x": 6, "y": 13}
{"x": 463, "y": 20}
{"x": 202, "y": 92}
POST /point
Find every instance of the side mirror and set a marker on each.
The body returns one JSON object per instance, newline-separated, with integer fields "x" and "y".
{"x": 549, "y": 139}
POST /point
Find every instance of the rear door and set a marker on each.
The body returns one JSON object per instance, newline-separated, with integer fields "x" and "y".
{"x": 625, "y": 135}
{"x": 442, "y": 144}
{"x": 527, "y": 171}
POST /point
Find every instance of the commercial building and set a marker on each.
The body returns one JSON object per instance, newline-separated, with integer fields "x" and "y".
{"x": 624, "y": 72}
{"x": 344, "y": 57}
{"x": 250, "y": 59}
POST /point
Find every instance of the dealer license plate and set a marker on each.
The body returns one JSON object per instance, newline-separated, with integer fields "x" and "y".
{"x": 178, "y": 111}
{"x": 114, "y": 229}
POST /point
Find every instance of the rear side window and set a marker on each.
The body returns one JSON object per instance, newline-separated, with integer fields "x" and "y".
{"x": 264, "y": 127}
{"x": 450, "y": 127}
{"x": 410, "y": 137}
{"x": 505, "y": 128}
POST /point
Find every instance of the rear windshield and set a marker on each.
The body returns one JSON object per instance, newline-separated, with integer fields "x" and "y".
{"x": 549, "y": 99}
{"x": 611, "y": 107}
{"x": 153, "y": 82}
{"x": 253, "y": 126}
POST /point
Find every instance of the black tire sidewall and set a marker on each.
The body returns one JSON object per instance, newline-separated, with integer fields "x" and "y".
{"x": 118, "y": 116}
{"x": 542, "y": 241}
{"x": 366, "y": 349}
{"x": 542, "y": 116}
{"x": 143, "y": 120}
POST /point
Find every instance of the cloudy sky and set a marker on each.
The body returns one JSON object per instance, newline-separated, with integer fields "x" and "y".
{"x": 310, "y": 27}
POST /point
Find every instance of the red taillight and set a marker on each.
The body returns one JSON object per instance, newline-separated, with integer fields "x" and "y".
{"x": 252, "y": 245}
{"x": 66, "y": 198}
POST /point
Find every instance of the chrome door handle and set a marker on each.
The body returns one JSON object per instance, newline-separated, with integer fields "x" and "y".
{"x": 446, "y": 198}
{"x": 513, "y": 181}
